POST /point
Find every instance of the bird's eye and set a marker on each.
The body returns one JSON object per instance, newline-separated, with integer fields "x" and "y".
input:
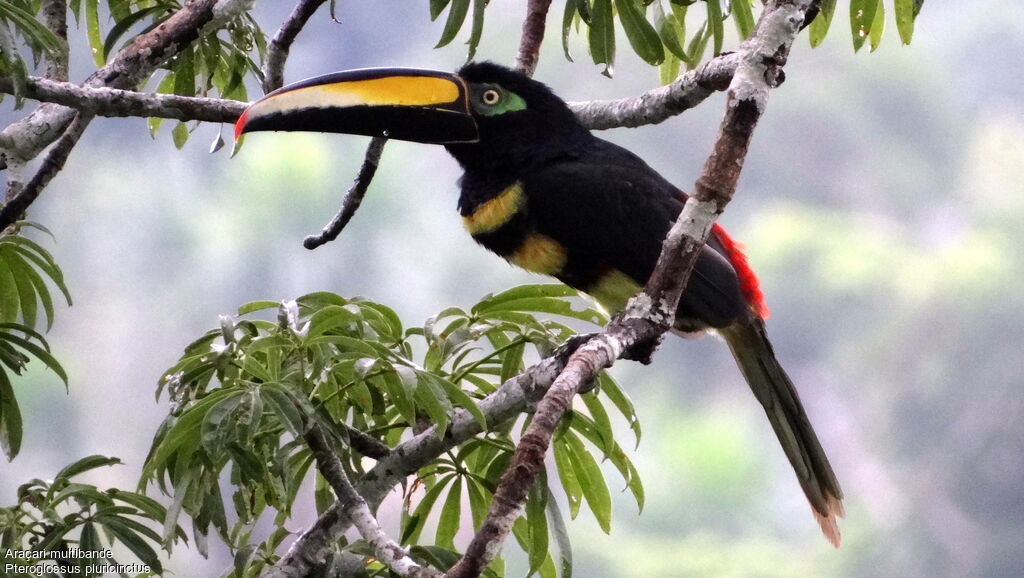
{"x": 490, "y": 97}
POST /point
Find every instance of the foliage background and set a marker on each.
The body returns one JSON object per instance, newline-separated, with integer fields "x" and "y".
{"x": 882, "y": 206}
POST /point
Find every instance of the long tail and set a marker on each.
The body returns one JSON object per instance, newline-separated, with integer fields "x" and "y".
{"x": 773, "y": 388}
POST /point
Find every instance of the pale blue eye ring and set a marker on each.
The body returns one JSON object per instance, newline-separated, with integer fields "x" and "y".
{"x": 490, "y": 97}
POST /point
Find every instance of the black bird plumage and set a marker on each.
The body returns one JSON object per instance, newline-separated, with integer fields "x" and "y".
{"x": 544, "y": 193}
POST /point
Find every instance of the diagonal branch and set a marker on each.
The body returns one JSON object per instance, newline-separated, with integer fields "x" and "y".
{"x": 281, "y": 45}
{"x": 650, "y": 314}
{"x": 533, "y": 35}
{"x": 510, "y": 400}
{"x": 356, "y": 509}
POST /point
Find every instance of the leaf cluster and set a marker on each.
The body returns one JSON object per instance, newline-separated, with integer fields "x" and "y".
{"x": 52, "y": 517}
{"x": 246, "y": 393}
{"x": 26, "y": 272}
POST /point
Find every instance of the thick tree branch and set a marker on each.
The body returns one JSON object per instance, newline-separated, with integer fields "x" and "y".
{"x": 355, "y": 508}
{"x": 533, "y": 35}
{"x": 662, "y": 103}
{"x": 113, "y": 102}
{"x": 281, "y": 45}
{"x": 651, "y": 313}
{"x": 353, "y": 197}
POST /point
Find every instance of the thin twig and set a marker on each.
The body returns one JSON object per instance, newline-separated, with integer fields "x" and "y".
{"x": 650, "y": 314}
{"x": 353, "y": 197}
{"x": 51, "y": 165}
{"x": 533, "y": 35}
{"x": 354, "y": 506}
{"x": 277, "y": 51}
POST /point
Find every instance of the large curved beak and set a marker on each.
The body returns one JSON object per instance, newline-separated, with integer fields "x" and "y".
{"x": 407, "y": 104}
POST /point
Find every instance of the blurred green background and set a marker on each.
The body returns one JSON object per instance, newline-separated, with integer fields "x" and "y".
{"x": 882, "y": 203}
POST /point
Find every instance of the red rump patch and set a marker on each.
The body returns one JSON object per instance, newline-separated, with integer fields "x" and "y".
{"x": 749, "y": 284}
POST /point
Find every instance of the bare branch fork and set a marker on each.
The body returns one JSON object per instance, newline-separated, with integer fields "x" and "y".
{"x": 25, "y": 139}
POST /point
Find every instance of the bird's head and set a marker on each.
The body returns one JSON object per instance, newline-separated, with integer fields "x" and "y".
{"x": 488, "y": 116}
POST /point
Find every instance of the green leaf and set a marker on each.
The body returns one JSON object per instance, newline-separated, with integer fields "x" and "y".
{"x": 601, "y": 36}
{"x": 568, "y": 17}
{"x": 85, "y": 464}
{"x": 122, "y": 26}
{"x": 24, "y": 272}
{"x": 89, "y": 539}
{"x": 478, "y": 27}
{"x": 451, "y": 513}
{"x": 615, "y": 454}
{"x": 92, "y": 26}
{"x": 610, "y": 389}
{"x": 10, "y": 419}
{"x": 669, "y": 70}
{"x": 254, "y": 306}
{"x": 478, "y": 501}
{"x": 127, "y": 535}
{"x": 413, "y": 524}
{"x": 456, "y": 17}
{"x": 219, "y": 423}
{"x": 877, "y": 26}
{"x": 282, "y": 405}
{"x": 437, "y": 7}
{"x": 716, "y": 22}
{"x": 905, "y": 14}
{"x": 641, "y": 35}
{"x": 556, "y": 526}
{"x": 567, "y": 475}
{"x": 537, "y": 524}
{"x": 36, "y": 351}
{"x": 862, "y": 17}
{"x": 179, "y": 135}
{"x": 743, "y": 17}
{"x": 819, "y": 27}
{"x": 591, "y": 480}
{"x": 431, "y": 397}
{"x": 671, "y": 34}
{"x": 602, "y": 424}
{"x": 9, "y": 296}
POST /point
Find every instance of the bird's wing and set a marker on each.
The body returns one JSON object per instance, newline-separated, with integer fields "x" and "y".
{"x": 606, "y": 206}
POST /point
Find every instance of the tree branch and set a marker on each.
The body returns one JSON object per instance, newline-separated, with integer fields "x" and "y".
{"x": 650, "y": 314}
{"x": 55, "y": 16}
{"x": 132, "y": 64}
{"x": 352, "y": 504}
{"x": 280, "y": 46}
{"x": 533, "y": 35}
{"x": 113, "y": 102}
{"x": 52, "y": 164}
{"x": 510, "y": 400}
{"x": 353, "y": 197}
{"x": 659, "y": 104}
